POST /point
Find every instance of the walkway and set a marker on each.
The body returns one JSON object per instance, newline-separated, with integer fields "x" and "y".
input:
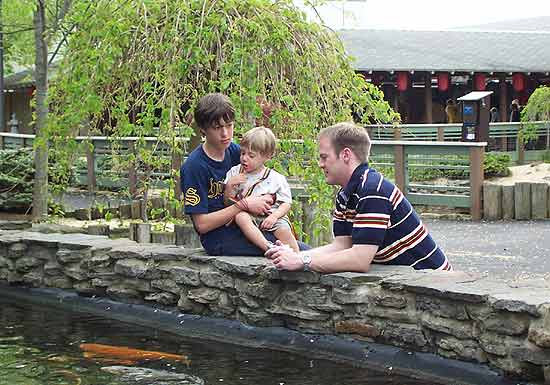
{"x": 513, "y": 250}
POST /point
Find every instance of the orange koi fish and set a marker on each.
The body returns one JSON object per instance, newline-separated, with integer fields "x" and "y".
{"x": 128, "y": 354}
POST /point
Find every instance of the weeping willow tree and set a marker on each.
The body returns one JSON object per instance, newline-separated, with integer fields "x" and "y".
{"x": 138, "y": 68}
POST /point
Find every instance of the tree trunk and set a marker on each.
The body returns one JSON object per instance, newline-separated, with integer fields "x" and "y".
{"x": 40, "y": 188}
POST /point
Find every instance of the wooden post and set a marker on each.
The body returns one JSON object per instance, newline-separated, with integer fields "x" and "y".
{"x": 492, "y": 201}
{"x": 396, "y": 133}
{"x": 476, "y": 181}
{"x": 428, "y": 97}
{"x": 503, "y": 108}
{"x": 2, "y": 144}
{"x": 440, "y": 134}
{"x": 522, "y": 200}
{"x": 539, "y": 200}
{"x": 132, "y": 172}
{"x": 520, "y": 148}
{"x": 508, "y": 210}
{"x": 177, "y": 160}
{"x": 90, "y": 162}
{"x": 400, "y": 167}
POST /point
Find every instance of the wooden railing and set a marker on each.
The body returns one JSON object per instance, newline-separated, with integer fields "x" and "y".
{"x": 401, "y": 156}
{"x": 503, "y": 137}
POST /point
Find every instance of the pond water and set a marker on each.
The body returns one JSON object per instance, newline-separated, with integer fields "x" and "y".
{"x": 43, "y": 346}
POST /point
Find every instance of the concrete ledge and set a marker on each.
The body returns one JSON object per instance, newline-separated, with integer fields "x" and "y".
{"x": 450, "y": 314}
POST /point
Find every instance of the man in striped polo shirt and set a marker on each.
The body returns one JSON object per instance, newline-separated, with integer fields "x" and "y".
{"x": 373, "y": 222}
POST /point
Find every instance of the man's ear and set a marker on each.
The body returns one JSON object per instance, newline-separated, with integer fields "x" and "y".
{"x": 346, "y": 154}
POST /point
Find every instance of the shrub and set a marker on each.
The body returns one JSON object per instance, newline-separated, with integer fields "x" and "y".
{"x": 496, "y": 164}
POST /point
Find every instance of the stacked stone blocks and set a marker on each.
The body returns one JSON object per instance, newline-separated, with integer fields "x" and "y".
{"x": 455, "y": 315}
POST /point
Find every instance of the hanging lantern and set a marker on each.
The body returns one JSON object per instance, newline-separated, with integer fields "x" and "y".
{"x": 31, "y": 91}
{"x": 518, "y": 81}
{"x": 443, "y": 81}
{"x": 402, "y": 81}
{"x": 479, "y": 82}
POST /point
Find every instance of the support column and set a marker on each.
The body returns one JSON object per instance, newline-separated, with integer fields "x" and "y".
{"x": 476, "y": 182}
{"x": 428, "y": 97}
{"x": 503, "y": 108}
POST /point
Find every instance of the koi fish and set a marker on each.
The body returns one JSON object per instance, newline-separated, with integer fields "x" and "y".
{"x": 128, "y": 354}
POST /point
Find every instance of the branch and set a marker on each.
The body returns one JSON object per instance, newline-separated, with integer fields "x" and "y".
{"x": 19, "y": 30}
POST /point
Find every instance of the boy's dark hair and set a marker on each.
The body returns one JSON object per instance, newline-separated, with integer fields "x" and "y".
{"x": 213, "y": 109}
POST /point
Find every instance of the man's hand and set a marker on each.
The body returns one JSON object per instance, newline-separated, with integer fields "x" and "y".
{"x": 284, "y": 258}
{"x": 259, "y": 205}
{"x": 268, "y": 222}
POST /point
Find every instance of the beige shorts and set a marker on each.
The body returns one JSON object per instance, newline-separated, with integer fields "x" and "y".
{"x": 282, "y": 223}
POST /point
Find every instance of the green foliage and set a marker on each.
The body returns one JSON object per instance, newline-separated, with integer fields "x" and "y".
{"x": 537, "y": 108}
{"x": 138, "y": 68}
{"x": 495, "y": 164}
{"x": 17, "y": 175}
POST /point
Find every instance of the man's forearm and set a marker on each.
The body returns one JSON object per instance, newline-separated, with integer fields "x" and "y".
{"x": 343, "y": 260}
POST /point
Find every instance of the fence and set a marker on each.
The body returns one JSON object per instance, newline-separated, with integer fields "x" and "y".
{"x": 400, "y": 158}
{"x": 503, "y": 137}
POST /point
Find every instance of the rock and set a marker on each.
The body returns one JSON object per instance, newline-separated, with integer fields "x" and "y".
{"x": 25, "y": 264}
{"x": 359, "y": 327}
{"x": 66, "y": 255}
{"x": 145, "y": 376}
{"x": 163, "y": 298}
{"x": 248, "y": 266}
{"x": 166, "y": 285}
{"x": 217, "y": 279}
{"x": 204, "y": 295}
{"x": 441, "y": 307}
{"x": 463, "y": 349}
{"x": 137, "y": 268}
{"x": 360, "y": 294}
{"x": 459, "y": 329}
{"x": 185, "y": 275}
{"x": 258, "y": 288}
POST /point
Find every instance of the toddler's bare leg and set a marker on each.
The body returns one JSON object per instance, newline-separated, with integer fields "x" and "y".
{"x": 250, "y": 230}
{"x": 285, "y": 235}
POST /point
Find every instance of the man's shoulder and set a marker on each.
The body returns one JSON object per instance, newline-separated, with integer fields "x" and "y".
{"x": 375, "y": 184}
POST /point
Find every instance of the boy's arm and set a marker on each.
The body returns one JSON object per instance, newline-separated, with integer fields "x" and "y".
{"x": 208, "y": 222}
{"x": 282, "y": 210}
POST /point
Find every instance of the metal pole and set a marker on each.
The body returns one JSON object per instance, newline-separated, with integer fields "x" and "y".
{"x": 2, "y": 119}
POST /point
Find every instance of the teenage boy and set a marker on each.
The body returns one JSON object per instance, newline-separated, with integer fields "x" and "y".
{"x": 202, "y": 177}
{"x": 373, "y": 222}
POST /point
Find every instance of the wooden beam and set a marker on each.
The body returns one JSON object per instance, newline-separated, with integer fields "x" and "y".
{"x": 428, "y": 97}
{"x": 400, "y": 168}
{"x": 476, "y": 182}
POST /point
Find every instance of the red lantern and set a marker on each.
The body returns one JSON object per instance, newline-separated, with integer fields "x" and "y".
{"x": 479, "y": 82}
{"x": 402, "y": 81}
{"x": 443, "y": 81}
{"x": 518, "y": 81}
{"x": 31, "y": 91}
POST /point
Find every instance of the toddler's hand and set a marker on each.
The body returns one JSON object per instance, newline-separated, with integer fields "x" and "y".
{"x": 268, "y": 222}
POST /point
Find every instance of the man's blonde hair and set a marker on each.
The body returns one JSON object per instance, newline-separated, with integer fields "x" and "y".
{"x": 260, "y": 139}
{"x": 348, "y": 135}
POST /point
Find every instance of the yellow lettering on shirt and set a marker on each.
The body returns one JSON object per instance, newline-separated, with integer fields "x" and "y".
{"x": 215, "y": 189}
{"x": 191, "y": 197}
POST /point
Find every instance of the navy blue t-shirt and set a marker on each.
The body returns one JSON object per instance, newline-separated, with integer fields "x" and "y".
{"x": 202, "y": 184}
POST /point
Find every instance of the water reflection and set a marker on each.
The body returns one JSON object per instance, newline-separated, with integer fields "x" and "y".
{"x": 43, "y": 346}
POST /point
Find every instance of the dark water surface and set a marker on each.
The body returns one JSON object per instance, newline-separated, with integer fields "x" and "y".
{"x": 40, "y": 345}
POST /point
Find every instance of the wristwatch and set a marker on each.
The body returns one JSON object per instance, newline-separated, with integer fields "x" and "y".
{"x": 306, "y": 260}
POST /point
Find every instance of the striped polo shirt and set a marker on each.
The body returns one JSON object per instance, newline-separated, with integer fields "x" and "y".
{"x": 373, "y": 211}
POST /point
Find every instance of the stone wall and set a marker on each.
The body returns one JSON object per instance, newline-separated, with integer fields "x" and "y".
{"x": 455, "y": 315}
